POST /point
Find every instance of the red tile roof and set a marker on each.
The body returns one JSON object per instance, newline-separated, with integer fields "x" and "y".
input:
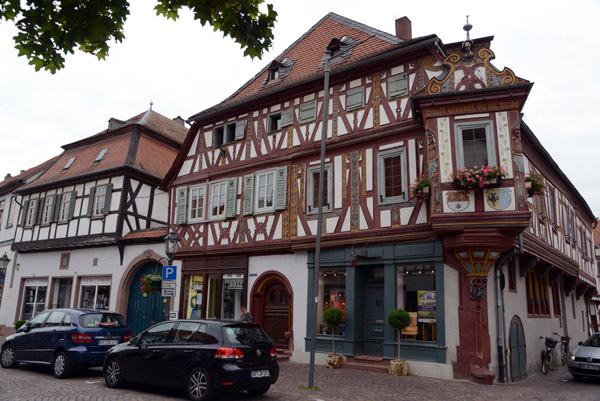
{"x": 27, "y": 173}
{"x": 597, "y": 233}
{"x": 307, "y": 53}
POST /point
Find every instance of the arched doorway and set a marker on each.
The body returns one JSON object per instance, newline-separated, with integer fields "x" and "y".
{"x": 143, "y": 312}
{"x": 271, "y": 306}
{"x": 518, "y": 351}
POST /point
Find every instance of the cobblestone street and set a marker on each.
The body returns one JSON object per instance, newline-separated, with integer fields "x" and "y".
{"x": 37, "y": 384}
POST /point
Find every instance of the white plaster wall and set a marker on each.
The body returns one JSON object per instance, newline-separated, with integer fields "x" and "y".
{"x": 294, "y": 268}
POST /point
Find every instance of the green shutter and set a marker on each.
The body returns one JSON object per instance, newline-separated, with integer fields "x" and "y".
{"x": 91, "y": 202}
{"x": 287, "y": 117}
{"x": 55, "y": 208}
{"x": 248, "y": 194}
{"x": 308, "y": 112}
{"x": 72, "y": 205}
{"x": 24, "y": 215}
{"x": 397, "y": 86}
{"x": 281, "y": 188}
{"x": 181, "y": 210}
{"x": 231, "y": 197}
{"x": 355, "y": 98}
{"x": 240, "y": 129}
{"x": 39, "y": 210}
{"x": 107, "y": 198}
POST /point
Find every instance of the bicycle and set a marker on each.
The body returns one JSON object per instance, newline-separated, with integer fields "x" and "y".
{"x": 547, "y": 355}
{"x": 564, "y": 347}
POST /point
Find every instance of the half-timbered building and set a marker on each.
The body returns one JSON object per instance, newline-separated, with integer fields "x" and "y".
{"x": 244, "y": 200}
{"x": 93, "y": 224}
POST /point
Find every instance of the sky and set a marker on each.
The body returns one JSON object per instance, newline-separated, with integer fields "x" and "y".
{"x": 184, "y": 68}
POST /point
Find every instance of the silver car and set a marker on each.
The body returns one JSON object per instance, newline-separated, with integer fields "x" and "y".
{"x": 585, "y": 359}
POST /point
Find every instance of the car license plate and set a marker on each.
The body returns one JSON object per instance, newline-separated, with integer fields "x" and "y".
{"x": 590, "y": 367}
{"x": 259, "y": 373}
{"x": 108, "y": 342}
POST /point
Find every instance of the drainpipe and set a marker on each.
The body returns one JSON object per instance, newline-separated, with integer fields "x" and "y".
{"x": 500, "y": 319}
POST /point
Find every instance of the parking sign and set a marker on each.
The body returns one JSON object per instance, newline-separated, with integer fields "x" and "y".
{"x": 169, "y": 273}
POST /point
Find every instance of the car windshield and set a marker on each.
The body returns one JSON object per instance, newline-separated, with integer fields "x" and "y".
{"x": 593, "y": 341}
{"x": 245, "y": 334}
{"x": 102, "y": 320}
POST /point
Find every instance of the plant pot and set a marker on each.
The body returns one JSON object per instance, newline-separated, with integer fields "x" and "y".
{"x": 495, "y": 182}
{"x": 425, "y": 189}
{"x": 334, "y": 361}
{"x": 399, "y": 367}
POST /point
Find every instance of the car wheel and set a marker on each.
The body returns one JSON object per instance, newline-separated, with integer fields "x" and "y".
{"x": 113, "y": 373}
{"x": 61, "y": 367}
{"x": 259, "y": 391}
{"x": 198, "y": 385}
{"x": 7, "y": 358}
{"x": 577, "y": 378}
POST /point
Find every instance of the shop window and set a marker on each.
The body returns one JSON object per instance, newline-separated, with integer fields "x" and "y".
{"x": 192, "y": 298}
{"x": 233, "y": 286}
{"x": 312, "y": 195}
{"x": 332, "y": 290}
{"x": 537, "y": 294}
{"x": 95, "y": 293}
{"x": 417, "y": 295}
{"x": 212, "y": 296}
{"x": 475, "y": 145}
{"x": 393, "y": 182}
{"x": 34, "y": 300}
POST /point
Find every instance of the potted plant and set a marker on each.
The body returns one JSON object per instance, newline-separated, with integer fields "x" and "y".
{"x": 534, "y": 184}
{"x": 151, "y": 283}
{"x": 399, "y": 319}
{"x": 333, "y": 318}
{"x": 419, "y": 189}
{"x": 478, "y": 177}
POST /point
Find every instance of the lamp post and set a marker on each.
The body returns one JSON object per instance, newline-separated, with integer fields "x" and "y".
{"x": 171, "y": 244}
{"x": 3, "y": 264}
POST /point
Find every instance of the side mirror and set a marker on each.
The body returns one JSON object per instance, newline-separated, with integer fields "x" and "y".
{"x": 134, "y": 340}
{"x": 580, "y": 342}
{"x": 24, "y": 329}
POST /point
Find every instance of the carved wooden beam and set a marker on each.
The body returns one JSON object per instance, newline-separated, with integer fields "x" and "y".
{"x": 526, "y": 264}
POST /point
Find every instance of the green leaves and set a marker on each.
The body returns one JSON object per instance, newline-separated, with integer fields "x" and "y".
{"x": 50, "y": 29}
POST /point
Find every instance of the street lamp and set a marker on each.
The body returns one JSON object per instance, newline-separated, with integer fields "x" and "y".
{"x": 3, "y": 263}
{"x": 171, "y": 243}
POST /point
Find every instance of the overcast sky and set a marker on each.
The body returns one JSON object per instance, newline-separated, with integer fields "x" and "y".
{"x": 184, "y": 68}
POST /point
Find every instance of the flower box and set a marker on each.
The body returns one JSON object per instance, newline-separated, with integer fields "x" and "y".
{"x": 419, "y": 189}
{"x": 478, "y": 177}
{"x": 534, "y": 185}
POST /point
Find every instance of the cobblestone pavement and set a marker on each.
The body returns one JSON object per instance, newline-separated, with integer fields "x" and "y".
{"x": 36, "y": 383}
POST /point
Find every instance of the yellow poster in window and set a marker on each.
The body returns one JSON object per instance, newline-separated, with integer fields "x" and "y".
{"x": 426, "y": 306}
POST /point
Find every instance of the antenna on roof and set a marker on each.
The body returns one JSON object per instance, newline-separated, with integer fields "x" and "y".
{"x": 467, "y": 27}
{"x": 153, "y": 103}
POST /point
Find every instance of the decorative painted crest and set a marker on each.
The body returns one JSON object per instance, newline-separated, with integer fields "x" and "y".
{"x": 498, "y": 198}
{"x": 458, "y": 200}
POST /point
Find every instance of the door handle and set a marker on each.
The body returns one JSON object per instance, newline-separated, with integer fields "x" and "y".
{"x": 155, "y": 350}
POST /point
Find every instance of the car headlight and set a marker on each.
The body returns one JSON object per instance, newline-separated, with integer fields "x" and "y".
{"x": 571, "y": 356}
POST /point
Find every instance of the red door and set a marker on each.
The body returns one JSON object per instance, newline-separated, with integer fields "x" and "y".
{"x": 276, "y": 314}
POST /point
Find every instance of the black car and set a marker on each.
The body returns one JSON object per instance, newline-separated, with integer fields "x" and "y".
{"x": 65, "y": 339}
{"x": 203, "y": 356}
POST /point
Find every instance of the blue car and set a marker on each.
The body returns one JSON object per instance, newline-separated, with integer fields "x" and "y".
{"x": 65, "y": 339}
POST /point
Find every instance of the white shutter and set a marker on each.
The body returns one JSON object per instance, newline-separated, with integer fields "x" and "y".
{"x": 248, "y": 194}
{"x": 397, "y": 86}
{"x": 181, "y": 210}
{"x": 231, "y": 198}
{"x": 287, "y": 117}
{"x": 308, "y": 112}
{"x": 355, "y": 98}
{"x": 240, "y": 129}
{"x": 281, "y": 188}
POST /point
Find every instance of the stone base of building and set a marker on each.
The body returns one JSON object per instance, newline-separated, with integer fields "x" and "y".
{"x": 473, "y": 373}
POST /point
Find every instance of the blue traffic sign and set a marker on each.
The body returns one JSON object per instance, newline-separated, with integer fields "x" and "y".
{"x": 169, "y": 273}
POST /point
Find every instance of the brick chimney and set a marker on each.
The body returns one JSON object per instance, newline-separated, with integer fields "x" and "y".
{"x": 179, "y": 121}
{"x": 404, "y": 28}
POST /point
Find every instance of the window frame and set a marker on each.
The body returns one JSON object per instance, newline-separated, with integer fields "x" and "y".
{"x": 191, "y": 189}
{"x": 257, "y": 175}
{"x": 47, "y": 211}
{"x": 310, "y": 189}
{"x": 304, "y": 107}
{"x": 99, "y": 212}
{"x": 63, "y": 211}
{"x": 274, "y": 117}
{"x": 213, "y": 185}
{"x": 381, "y": 156}
{"x": 10, "y": 215}
{"x": 31, "y": 212}
{"x": 2, "y": 207}
{"x": 490, "y": 142}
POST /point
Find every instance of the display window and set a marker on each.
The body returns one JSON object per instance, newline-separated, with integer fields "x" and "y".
{"x": 233, "y": 285}
{"x": 95, "y": 293}
{"x": 34, "y": 298}
{"x": 332, "y": 293}
{"x": 417, "y": 295}
{"x": 192, "y": 298}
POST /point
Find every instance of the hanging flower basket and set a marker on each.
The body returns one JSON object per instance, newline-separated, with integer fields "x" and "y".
{"x": 534, "y": 184}
{"x": 478, "y": 177}
{"x": 151, "y": 284}
{"x": 419, "y": 189}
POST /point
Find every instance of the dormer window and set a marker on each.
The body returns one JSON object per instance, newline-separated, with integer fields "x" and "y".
{"x": 274, "y": 74}
{"x": 69, "y": 163}
{"x": 278, "y": 71}
{"x": 101, "y": 155}
{"x": 340, "y": 49}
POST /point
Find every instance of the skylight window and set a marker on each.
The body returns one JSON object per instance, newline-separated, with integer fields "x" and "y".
{"x": 69, "y": 163}
{"x": 101, "y": 155}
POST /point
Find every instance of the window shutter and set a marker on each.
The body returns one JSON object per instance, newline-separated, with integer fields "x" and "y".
{"x": 397, "y": 86}
{"x": 287, "y": 118}
{"x": 24, "y": 215}
{"x": 107, "y": 197}
{"x": 55, "y": 208}
{"x": 91, "y": 201}
{"x": 248, "y": 194}
{"x": 72, "y": 205}
{"x": 281, "y": 188}
{"x": 181, "y": 211}
{"x": 308, "y": 112}
{"x": 39, "y": 210}
{"x": 355, "y": 98}
{"x": 240, "y": 129}
{"x": 231, "y": 198}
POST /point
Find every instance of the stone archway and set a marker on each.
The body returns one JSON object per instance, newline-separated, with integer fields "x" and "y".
{"x": 271, "y": 306}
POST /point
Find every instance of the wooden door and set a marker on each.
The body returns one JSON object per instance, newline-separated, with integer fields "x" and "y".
{"x": 518, "y": 351}
{"x": 374, "y": 319}
{"x": 276, "y": 313}
{"x": 143, "y": 312}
